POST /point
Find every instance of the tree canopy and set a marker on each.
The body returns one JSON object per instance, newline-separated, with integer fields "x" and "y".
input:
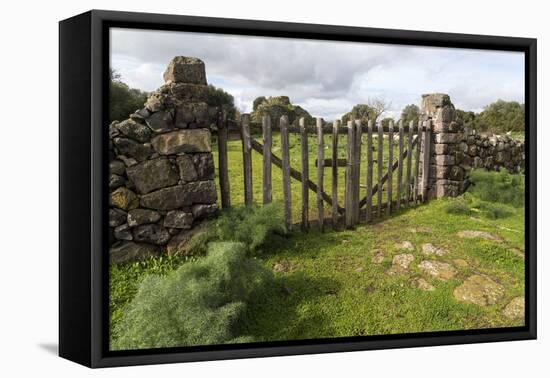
{"x": 410, "y": 113}
{"x": 123, "y": 100}
{"x": 501, "y": 116}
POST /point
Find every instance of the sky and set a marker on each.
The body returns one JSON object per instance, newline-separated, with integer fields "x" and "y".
{"x": 327, "y": 78}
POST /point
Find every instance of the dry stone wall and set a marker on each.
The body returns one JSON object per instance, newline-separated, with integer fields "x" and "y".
{"x": 456, "y": 149}
{"x": 161, "y": 166}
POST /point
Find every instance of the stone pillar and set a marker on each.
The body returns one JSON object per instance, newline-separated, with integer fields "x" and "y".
{"x": 161, "y": 175}
{"x": 447, "y": 177}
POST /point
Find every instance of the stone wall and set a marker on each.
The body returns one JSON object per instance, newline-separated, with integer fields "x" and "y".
{"x": 161, "y": 167}
{"x": 456, "y": 150}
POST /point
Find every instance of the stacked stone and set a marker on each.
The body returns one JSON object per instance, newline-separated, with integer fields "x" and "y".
{"x": 492, "y": 152}
{"x": 161, "y": 168}
{"x": 447, "y": 176}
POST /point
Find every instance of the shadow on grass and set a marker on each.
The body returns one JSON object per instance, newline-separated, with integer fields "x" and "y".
{"x": 281, "y": 310}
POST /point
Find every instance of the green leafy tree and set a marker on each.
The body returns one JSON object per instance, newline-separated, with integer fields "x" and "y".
{"x": 386, "y": 121}
{"x": 276, "y": 107}
{"x": 410, "y": 113}
{"x": 363, "y": 112}
{"x": 123, "y": 100}
{"x": 220, "y": 99}
{"x": 466, "y": 118}
{"x": 257, "y": 102}
{"x": 502, "y": 116}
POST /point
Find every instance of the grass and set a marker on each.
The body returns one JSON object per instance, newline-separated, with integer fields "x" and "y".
{"x": 329, "y": 286}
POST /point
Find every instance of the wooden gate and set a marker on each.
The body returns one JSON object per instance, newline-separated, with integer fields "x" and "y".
{"x": 402, "y": 183}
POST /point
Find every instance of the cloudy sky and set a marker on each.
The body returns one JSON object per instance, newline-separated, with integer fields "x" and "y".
{"x": 325, "y": 77}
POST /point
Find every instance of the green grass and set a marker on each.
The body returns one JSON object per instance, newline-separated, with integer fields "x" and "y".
{"x": 324, "y": 294}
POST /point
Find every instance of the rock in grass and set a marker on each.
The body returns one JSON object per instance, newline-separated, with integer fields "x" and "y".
{"x": 437, "y": 269}
{"x": 400, "y": 264}
{"x": 515, "y": 309}
{"x": 378, "y": 257}
{"x": 430, "y": 249}
{"x": 406, "y": 245}
{"x": 480, "y": 290}
{"x": 422, "y": 284}
{"x": 469, "y": 234}
{"x": 151, "y": 233}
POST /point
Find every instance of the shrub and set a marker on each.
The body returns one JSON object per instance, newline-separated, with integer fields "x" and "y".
{"x": 201, "y": 303}
{"x": 492, "y": 210}
{"x": 458, "y": 206}
{"x": 500, "y": 187}
{"x": 250, "y": 225}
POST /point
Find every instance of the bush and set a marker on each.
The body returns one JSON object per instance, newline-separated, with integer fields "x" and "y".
{"x": 250, "y": 225}
{"x": 201, "y": 303}
{"x": 492, "y": 210}
{"x": 457, "y": 206}
{"x": 500, "y": 187}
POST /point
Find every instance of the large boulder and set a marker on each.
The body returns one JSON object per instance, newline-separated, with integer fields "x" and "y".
{"x": 183, "y": 69}
{"x": 153, "y": 174}
{"x": 182, "y": 141}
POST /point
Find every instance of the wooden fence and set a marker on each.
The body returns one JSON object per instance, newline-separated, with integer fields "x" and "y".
{"x": 404, "y": 180}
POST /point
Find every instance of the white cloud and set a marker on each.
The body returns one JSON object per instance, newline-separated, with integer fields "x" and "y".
{"x": 325, "y": 77}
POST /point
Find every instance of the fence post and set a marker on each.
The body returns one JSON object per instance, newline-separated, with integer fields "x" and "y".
{"x": 285, "y": 166}
{"x": 266, "y": 168}
{"x": 390, "y": 166}
{"x": 247, "y": 158}
{"x": 400, "y": 166}
{"x": 305, "y": 175}
{"x": 357, "y": 174}
{"x": 320, "y": 173}
{"x": 222, "y": 161}
{"x": 369, "y": 172}
{"x": 426, "y": 160}
{"x": 409, "y": 164}
{"x": 335, "y": 127}
{"x": 380, "y": 167}
{"x": 350, "y": 173}
{"x": 416, "y": 188}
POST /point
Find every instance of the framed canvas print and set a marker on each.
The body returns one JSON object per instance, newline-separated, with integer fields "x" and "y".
{"x": 234, "y": 188}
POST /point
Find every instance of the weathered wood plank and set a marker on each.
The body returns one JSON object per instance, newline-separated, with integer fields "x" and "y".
{"x": 409, "y": 165}
{"x": 368, "y": 196}
{"x": 223, "y": 169}
{"x": 400, "y": 166}
{"x": 329, "y": 162}
{"x": 335, "y": 164}
{"x": 390, "y": 167}
{"x": 416, "y": 186}
{"x": 426, "y": 158}
{"x": 285, "y": 157}
{"x": 357, "y": 173}
{"x": 380, "y": 167}
{"x": 266, "y": 163}
{"x": 247, "y": 159}
{"x": 350, "y": 146}
{"x": 320, "y": 174}
{"x": 295, "y": 174}
{"x": 384, "y": 179}
{"x": 305, "y": 175}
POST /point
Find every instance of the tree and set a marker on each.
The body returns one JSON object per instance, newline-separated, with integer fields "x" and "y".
{"x": 410, "y": 113}
{"x": 257, "y": 102}
{"x": 371, "y": 111}
{"x": 502, "y": 116}
{"x": 379, "y": 106}
{"x": 466, "y": 118}
{"x": 220, "y": 99}
{"x": 123, "y": 100}
{"x": 386, "y": 121}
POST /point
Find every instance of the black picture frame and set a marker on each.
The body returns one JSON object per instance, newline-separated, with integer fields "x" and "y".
{"x": 83, "y": 196}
